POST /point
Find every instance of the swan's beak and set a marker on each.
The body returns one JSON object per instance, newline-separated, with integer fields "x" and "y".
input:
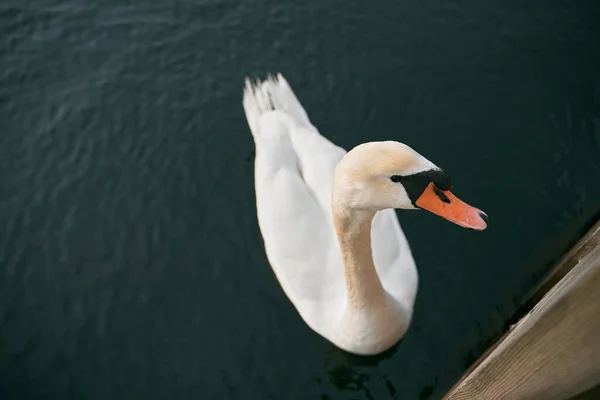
{"x": 450, "y": 207}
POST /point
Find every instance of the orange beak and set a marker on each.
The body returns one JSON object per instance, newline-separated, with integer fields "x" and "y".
{"x": 446, "y": 205}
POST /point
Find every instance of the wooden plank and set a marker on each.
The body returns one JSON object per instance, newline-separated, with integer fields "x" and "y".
{"x": 553, "y": 352}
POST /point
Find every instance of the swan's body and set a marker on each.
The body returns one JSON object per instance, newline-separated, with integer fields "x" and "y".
{"x": 327, "y": 220}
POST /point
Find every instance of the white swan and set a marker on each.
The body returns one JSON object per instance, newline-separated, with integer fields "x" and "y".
{"x": 327, "y": 220}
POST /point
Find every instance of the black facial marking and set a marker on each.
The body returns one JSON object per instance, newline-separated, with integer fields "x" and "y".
{"x": 416, "y": 184}
{"x": 439, "y": 193}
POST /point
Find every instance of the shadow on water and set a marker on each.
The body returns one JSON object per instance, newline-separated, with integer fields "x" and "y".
{"x": 543, "y": 262}
{"x": 343, "y": 370}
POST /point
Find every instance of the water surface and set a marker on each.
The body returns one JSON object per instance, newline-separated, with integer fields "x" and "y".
{"x": 131, "y": 264}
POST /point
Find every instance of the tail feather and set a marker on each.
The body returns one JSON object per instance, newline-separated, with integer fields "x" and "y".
{"x": 273, "y": 93}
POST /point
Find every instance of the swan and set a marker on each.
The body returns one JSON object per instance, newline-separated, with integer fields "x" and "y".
{"x": 327, "y": 219}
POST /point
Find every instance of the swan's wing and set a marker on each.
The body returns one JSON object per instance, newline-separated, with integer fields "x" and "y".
{"x": 298, "y": 239}
{"x": 316, "y": 156}
{"x": 393, "y": 259}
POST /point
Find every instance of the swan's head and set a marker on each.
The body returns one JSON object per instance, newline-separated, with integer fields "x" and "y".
{"x": 379, "y": 175}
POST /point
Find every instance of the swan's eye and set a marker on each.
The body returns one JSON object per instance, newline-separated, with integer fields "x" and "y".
{"x": 395, "y": 178}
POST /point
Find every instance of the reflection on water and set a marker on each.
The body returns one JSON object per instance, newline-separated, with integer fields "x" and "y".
{"x": 343, "y": 370}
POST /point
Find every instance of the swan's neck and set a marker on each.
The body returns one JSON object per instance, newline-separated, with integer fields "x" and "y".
{"x": 353, "y": 228}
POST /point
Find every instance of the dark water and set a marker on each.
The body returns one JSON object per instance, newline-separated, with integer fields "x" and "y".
{"x": 131, "y": 264}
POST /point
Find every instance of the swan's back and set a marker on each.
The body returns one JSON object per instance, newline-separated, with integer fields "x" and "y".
{"x": 294, "y": 168}
{"x": 272, "y": 106}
